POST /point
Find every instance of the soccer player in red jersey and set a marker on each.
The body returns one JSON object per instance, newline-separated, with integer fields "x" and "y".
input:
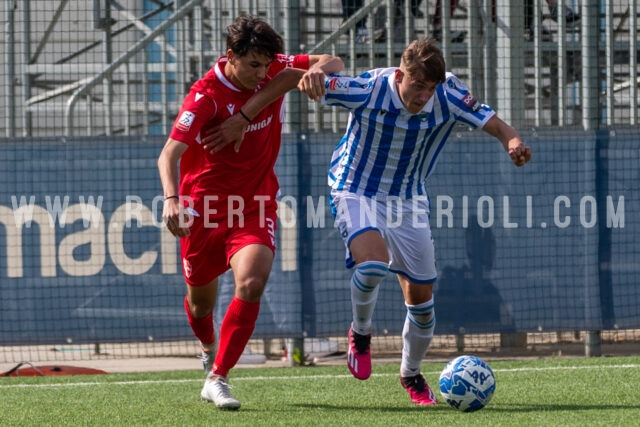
{"x": 223, "y": 207}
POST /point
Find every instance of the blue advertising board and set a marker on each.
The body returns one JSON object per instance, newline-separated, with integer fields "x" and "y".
{"x": 550, "y": 246}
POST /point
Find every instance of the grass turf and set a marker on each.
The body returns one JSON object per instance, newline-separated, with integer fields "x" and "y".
{"x": 542, "y": 392}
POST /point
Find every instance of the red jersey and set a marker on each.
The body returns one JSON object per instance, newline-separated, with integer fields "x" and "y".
{"x": 248, "y": 173}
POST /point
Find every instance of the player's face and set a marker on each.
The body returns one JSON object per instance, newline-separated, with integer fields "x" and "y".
{"x": 414, "y": 93}
{"x": 247, "y": 71}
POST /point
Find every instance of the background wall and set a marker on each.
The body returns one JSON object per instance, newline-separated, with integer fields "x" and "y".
{"x": 551, "y": 246}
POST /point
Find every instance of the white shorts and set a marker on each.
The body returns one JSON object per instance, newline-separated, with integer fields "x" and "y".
{"x": 403, "y": 224}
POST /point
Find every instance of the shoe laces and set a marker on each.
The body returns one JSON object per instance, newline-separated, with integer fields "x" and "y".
{"x": 361, "y": 342}
{"x": 223, "y": 388}
{"x": 416, "y": 383}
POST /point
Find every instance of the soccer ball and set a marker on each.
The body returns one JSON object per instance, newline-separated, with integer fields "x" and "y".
{"x": 467, "y": 383}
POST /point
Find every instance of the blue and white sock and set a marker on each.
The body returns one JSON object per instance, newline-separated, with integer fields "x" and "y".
{"x": 417, "y": 334}
{"x": 364, "y": 293}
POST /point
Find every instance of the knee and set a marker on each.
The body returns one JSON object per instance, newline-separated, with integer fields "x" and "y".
{"x": 423, "y": 316}
{"x": 199, "y": 307}
{"x": 370, "y": 273}
{"x": 250, "y": 289}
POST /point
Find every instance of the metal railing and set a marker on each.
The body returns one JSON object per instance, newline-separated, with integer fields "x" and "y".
{"x": 583, "y": 76}
{"x": 123, "y": 60}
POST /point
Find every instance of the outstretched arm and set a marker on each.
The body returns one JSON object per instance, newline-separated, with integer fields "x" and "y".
{"x": 510, "y": 139}
{"x": 309, "y": 81}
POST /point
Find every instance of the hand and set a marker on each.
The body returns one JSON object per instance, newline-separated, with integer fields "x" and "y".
{"x": 312, "y": 83}
{"x": 230, "y": 131}
{"x": 176, "y": 218}
{"x": 520, "y": 154}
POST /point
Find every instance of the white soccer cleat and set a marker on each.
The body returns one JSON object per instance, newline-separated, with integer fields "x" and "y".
{"x": 216, "y": 390}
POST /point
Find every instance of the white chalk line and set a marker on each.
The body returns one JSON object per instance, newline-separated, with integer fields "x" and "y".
{"x": 298, "y": 377}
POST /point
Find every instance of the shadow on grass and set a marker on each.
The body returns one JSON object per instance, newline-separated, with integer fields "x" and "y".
{"x": 369, "y": 408}
{"x": 443, "y": 407}
{"x": 533, "y": 407}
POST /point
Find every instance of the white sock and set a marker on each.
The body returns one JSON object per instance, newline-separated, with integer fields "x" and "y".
{"x": 364, "y": 293}
{"x": 417, "y": 334}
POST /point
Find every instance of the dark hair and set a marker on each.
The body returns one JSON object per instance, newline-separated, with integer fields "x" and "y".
{"x": 248, "y": 33}
{"x": 423, "y": 59}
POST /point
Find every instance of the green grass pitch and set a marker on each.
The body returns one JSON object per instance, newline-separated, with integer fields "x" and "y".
{"x": 543, "y": 392}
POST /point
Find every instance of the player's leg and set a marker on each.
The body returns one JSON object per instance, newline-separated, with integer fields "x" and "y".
{"x": 419, "y": 325}
{"x": 200, "y": 275}
{"x": 417, "y": 334}
{"x": 198, "y": 305}
{"x": 370, "y": 254}
{"x": 198, "y": 268}
{"x": 204, "y": 259}
{"x": 250, "y": 250}
{"x": 413, "y": 260}
{"x": 251, "y": 266}
{"x": 358, "y": 221}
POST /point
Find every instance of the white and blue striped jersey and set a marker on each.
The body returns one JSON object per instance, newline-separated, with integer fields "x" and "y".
{"x": 387, "y": 151}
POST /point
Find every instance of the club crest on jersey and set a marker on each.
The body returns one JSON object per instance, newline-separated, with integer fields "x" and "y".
{"x": 187, "y": 268}
{"x": 230, "y": 108}
{"x": 185, "y": 121}
{"x": 455, "y": 83}
{"x": 337, "y": 84}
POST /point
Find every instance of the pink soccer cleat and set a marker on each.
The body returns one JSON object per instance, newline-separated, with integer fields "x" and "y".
{"x": 419, "y": 390}
{"x": 359, "y": 355}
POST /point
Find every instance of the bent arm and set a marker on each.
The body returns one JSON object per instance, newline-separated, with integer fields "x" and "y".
{"x": 312, "y": 80}
{"x": 278, "y": 86}
{"x": 326, "y": 63}
{"x": 510, "y": 139}
{"x": 288, "y": 79}
{"x": 232, "y": 129}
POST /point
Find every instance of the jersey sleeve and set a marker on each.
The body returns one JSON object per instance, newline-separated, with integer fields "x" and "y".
{"x": 197, "y": 109}
{"x": 348, "y": 92}
{"x": 281, "y": 62}
{"x": 463, "y": 104}
{"x": 300, "y": 61}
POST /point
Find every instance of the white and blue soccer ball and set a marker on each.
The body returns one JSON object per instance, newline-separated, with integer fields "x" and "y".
{"x": 467, "y": 383}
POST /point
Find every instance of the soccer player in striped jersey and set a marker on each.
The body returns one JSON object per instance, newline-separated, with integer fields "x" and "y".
{"x": 222, "y": 203}
{"x": 400, "y": 119}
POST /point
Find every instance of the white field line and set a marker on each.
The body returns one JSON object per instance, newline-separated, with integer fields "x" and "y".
{"x": 302, "y": 377}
